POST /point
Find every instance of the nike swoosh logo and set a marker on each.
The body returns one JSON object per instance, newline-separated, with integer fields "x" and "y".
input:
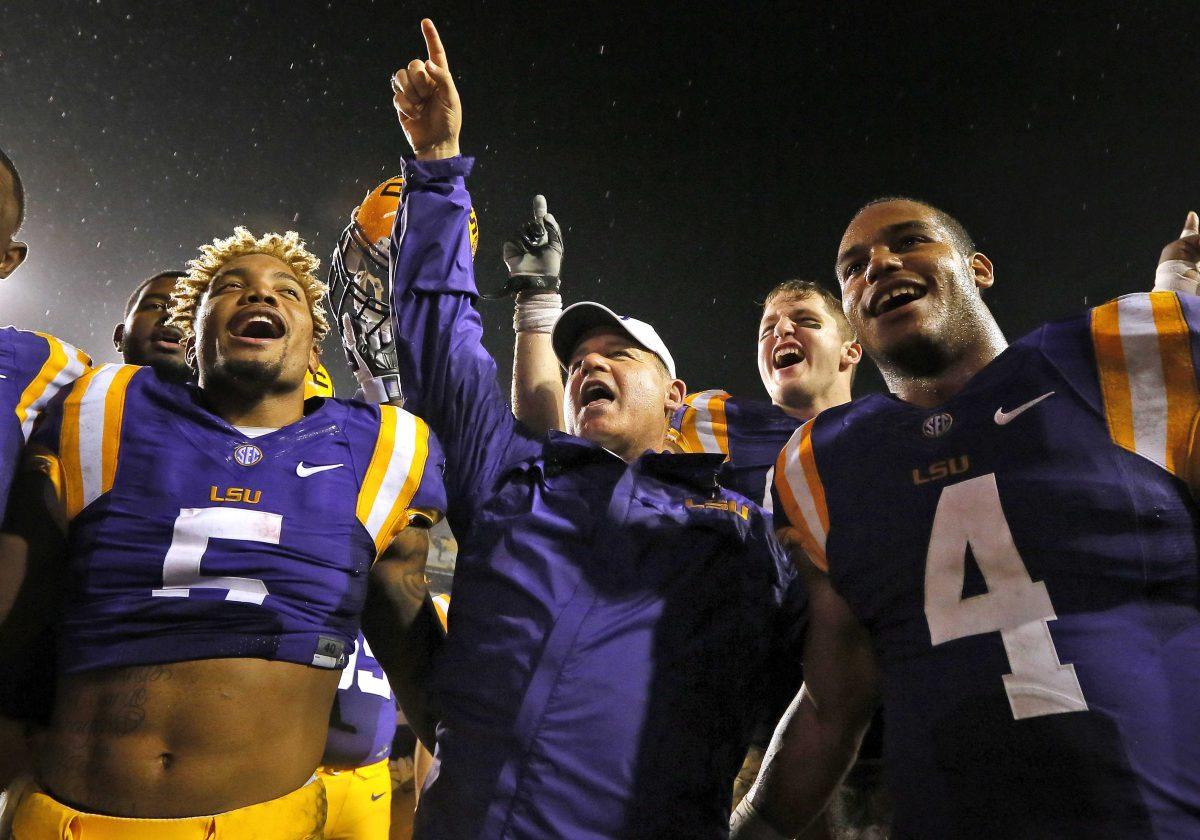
{"x": 375, "y": 797}
{"x": 1003, "y": 417}
{"x": 305, "y": 471}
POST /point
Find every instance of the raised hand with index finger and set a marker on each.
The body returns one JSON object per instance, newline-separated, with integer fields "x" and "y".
{"x": 1179, "y": 263}
{"x": 427, "y": 101}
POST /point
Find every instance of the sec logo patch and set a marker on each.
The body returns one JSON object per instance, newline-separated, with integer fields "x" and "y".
{"x": 937, "y": 425}
{"x": 247, "y": 454}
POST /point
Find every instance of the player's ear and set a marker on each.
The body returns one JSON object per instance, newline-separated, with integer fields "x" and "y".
{"x": 12, "y": 257}
{"x": 314, "y": 359}
{"x": 119, "y": 337}
{"x": 851, "y": 354}
{"x": 676, "y": 391}
{"x": 981, "y": 268}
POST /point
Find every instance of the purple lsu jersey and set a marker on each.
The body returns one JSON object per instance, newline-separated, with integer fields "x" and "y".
{"x": 1025, "y": 559}
{"x": 190, "y": 540}
{"x": 33, "y": 368}
{"x": 363, "y": 721}
{"x": 749, "y": 433}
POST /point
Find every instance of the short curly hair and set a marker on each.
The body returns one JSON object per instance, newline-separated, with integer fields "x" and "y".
{"x": 287, "y": 248}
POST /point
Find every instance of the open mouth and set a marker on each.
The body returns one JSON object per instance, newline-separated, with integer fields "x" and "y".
{"x": 895, "y": 297}
{"x": 594, "y": 393}
{"x": 259, "y": 324}
{"x": 786, "y": 356}
{"x": 167, "y": 339}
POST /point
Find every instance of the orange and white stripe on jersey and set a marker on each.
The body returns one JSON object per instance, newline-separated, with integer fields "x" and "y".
{"x": 441, "y": 603}
{"x": 394, "y": 474}
{"x": 64, "y": 364}
{"x": 704, "y": 428}
{"x": 802, "y": 494}
{"x": 1147, "y": 377}
{"x": 90, "y": 436}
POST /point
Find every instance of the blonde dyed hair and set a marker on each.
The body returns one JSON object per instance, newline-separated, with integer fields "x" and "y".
{"x": 288, "y": 248}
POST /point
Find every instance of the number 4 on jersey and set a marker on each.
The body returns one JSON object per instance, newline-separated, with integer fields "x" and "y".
{"x": 969, "y": 514}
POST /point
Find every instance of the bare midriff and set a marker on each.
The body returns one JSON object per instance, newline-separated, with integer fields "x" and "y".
{"x": 185, "y": 739}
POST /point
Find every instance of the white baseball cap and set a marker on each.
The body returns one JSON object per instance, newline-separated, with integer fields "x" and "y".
{"x": 578, "y": 318}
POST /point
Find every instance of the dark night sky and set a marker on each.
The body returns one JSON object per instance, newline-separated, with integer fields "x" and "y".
{"x": 696, "y": 154}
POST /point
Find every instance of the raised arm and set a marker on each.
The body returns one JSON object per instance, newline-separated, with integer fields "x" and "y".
{"x": 449, "y": 378}
{"x": 818, "y": 738}
{"x": 533, "y": 257}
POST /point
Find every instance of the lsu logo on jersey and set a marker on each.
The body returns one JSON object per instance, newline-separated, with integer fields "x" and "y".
{"x": 726, "y": 505}
{"x": 234, "y": 494}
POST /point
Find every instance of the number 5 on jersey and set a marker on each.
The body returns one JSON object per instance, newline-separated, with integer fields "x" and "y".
{"x": 194, "y": 527}
{"x": 969, "y": 514}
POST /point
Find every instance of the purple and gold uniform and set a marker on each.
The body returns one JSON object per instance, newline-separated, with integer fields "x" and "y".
{"x": 749, "y": 433}
{"x": 33, "y": 368}
{"x": 189, "y": 540}
{"x": 358, "y": 785}
{"x": 1025, "y": 559}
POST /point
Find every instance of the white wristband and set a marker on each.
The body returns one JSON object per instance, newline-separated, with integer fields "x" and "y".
{"x": 1177, "y": 276}
{"x": 747, "y": 824}
{"x": 536, "y": 313}
{"x": 380, "y": 389}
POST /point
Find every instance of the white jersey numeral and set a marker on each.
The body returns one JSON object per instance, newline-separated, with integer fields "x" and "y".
{"x": 969, "y": 514}
{"x": 194, "y": 527}
{"x": 368, "y": 683}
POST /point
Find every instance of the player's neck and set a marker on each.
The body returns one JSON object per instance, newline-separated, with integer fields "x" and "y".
{"x": 934, "y": 389}
{"x": 804, "y": 411}
{"x": 267, "y": 410}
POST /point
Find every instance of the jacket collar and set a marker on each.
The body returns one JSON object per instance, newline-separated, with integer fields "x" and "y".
{"x": 563, "y": 450}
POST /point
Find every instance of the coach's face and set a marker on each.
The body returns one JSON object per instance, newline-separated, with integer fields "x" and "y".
{"x": 254, "y": 325}
{"x": 12, "y": 253}
{"x": 904, "y": 283}
{"x": 619, "y": 394}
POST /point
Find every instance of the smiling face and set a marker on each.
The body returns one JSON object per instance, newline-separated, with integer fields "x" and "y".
{"x": 254, "y": 327}
{"x": 145, "y": 338}
{"x": 619, "y": 394}
{"x": 911, "y": 295}
{"x": 805, "y": 357}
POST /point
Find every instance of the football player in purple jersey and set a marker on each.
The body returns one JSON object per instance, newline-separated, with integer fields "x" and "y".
{"x": 209, "y": 549}
{"x": 33, "y": 367}
{"x": 146, "y": 336}
{"x": 1004, "y": 550}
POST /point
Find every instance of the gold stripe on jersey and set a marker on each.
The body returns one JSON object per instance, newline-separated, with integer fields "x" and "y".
{"x": 802, "y": 494}
{"x": 63, "y": 365}
{"x": 704, "y": 427}
{"x": 394, "y": 474}
{"x": 90, "y": 436}
{"x": 441, "y": 605}
{"x": 1147, "y": 377}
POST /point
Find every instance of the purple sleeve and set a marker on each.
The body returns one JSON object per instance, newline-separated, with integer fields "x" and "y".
{"x": 449, "y": 379}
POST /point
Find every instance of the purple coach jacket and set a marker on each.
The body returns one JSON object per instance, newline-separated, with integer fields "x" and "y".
{"x": 610, "y": 621}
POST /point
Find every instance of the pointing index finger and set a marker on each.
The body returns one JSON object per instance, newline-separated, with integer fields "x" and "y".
{"x": 433, "y": 43}
{"x": 1192, "y": 226}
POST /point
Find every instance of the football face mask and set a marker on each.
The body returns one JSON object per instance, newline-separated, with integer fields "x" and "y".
{"x": 358, "y": 282}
